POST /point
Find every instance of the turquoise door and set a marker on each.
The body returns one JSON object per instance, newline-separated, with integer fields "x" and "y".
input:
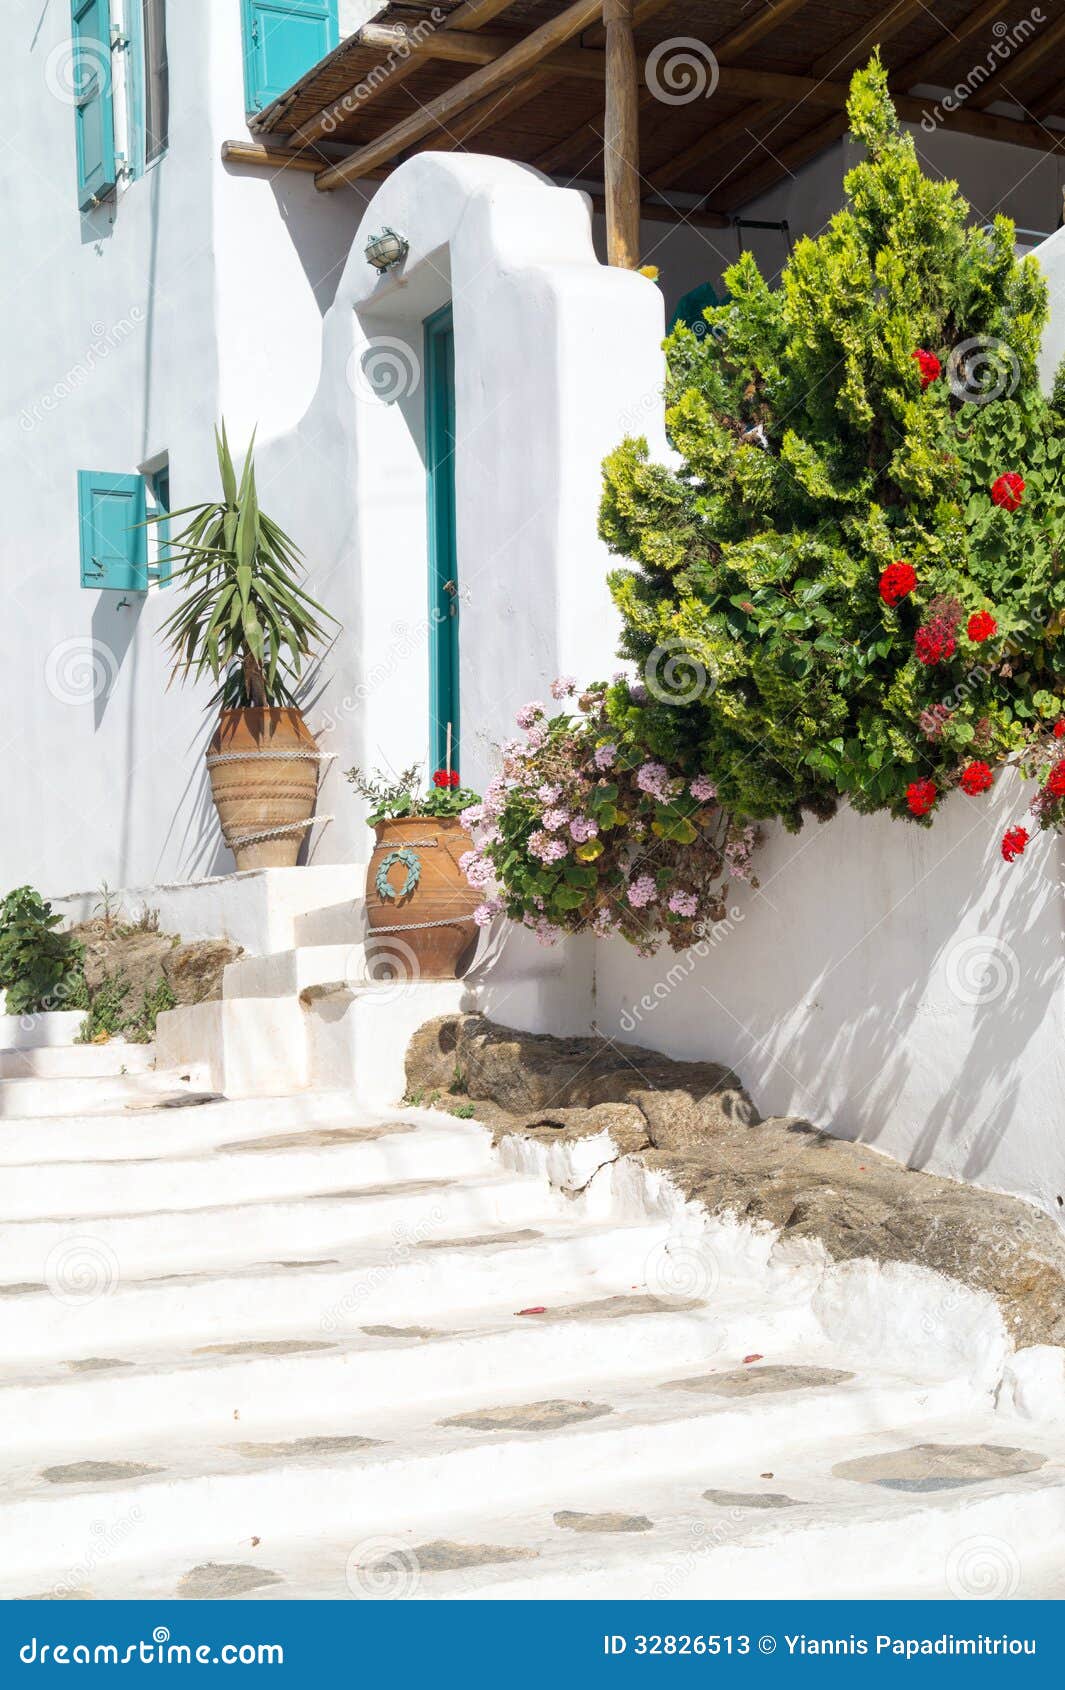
{"x": 443, "y": 552}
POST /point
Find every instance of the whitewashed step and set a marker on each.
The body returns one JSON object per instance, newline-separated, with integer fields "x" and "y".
{"x": 35, "y": 1099}
{"x": 250, "y": 1172}
{"x": 288, "y": 973}
{"x": 32, "y": 1032}
{"x": 337, "y": 924}
{"x": 77, "y": 1062}
{"x": 193, "y": 1495}
{"x": 398, "y": 1284}
{"x": 196, "y": 1127}
{"x": 326, "y": 1210}
{"x": 100, "y": 1404}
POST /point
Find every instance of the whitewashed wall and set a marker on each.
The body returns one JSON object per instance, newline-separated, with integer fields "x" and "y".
{"x": 127, "y": 333}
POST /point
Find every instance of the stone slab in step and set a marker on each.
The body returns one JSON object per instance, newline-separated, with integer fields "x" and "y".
{"x": 706, "y": 1134}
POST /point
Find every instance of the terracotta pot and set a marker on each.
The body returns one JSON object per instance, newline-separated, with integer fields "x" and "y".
{"x": 413, "y": 882}
{"x": 264, "y": 776}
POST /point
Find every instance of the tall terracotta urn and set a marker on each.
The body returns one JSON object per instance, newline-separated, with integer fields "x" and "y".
{"x": 419, "y": 905}
{"x": 263, "y": 766}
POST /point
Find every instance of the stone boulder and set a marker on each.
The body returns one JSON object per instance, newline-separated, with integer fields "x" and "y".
{"x": 194, "y": 971}
{"x": 694, "y": 1121}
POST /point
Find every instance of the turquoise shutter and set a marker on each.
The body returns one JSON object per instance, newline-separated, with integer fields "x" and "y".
{"x": 282, "y": 40}
{"x": 94, "y": 119}
{"x": 114, "y": 543}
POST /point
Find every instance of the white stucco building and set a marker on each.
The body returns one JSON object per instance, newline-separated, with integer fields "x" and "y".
{"x": 152, "y": 287}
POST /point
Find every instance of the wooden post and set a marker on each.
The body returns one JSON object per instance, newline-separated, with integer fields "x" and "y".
{"x": 621, "y": 137}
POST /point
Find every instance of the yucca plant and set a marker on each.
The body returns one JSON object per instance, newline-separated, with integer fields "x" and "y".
{"x": 244, "y": 617}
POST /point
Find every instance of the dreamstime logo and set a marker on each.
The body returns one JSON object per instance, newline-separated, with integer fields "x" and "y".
{"x": 981, "y": 970}
{"x": 81, "y": 1270}
{"x": 983, "y": 1567}
{"x": 75, "y": 70}
{"x": 983, "y": 369}
{"x": 385, "y": 371}
{"x": 1008, "y": 37}
{"x": 80, "y": 671}
{"x": 382, "y": 1569}
{"x": 673, "y": 675}
{"x": 681, "y": 70}
{"x": 389, "y": 964}
{"x": 682, "y": 1270}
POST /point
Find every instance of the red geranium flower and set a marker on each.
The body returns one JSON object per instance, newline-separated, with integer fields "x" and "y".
{"x": 921, "y": 796}
{"x": 1056, "y": 780}
{"x": 928, "y": 364}
{"x": 1008, "y": 491}
{"x": 1014, "y": 843}
{"x": 446, "y": 777}
{"x": 1059, "y": 728}
{"x": 981, "y": 626}
{"x": 976, "y": 778}
{"x": 933, "y": 644}
{"x": 897, "y": 582}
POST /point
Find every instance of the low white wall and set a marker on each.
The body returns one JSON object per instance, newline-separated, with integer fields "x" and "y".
{"x": 896, "y": 985}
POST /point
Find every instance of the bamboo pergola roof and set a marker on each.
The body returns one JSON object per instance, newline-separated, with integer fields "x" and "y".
{"x": 492, "y": 77}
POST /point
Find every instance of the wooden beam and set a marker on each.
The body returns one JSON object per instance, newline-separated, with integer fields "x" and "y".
{"x": 471, "y": 16}
{"x": 488, "y": 112}
{"x": 924, "y": 67}
{"x": 269, "y": 158}
{"x": 1014, "y": 70}
{"x": 273, "y": 158}
{"x": 527, "y": 54}
{"x": 728, "y": 47}
{"x": 561, "y": 152}
{"x": 769, "y": 170}
{"x": 834, "y": 64}
{"x": 621, "y": 137}
{"x": 461, "y": 47}
{"x": 987, "y": 126}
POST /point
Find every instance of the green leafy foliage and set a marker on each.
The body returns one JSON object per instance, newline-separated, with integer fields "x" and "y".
{"x": 112, "y": 1016}
{"x": 812, "y": 457}
{"x": 392, "y": 797}
{"x": 40, "y": 968}
{"x": 244, "y": 619}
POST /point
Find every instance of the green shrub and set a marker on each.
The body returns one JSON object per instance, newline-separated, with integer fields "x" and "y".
{"x": 40, "y": 968}
{"x": 819, "y": 447}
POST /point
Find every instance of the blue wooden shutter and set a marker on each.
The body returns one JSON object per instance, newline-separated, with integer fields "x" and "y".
{"x": 94, "y": 118}
{"x": 282, "y": 40}
{"x": 114, "y": 542}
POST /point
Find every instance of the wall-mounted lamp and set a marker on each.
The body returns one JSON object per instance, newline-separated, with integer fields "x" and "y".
{"x": 387, "y": 249}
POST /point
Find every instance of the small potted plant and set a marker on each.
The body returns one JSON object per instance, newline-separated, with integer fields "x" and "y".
{"x": 416, "y": 888}
{"x": 246, "y": 620}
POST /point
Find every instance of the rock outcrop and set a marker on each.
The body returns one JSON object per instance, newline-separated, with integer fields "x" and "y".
{"x": 694, "y": 1121}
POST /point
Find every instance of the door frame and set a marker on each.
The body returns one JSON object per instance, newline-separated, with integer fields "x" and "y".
{"x": 443, "y": 571}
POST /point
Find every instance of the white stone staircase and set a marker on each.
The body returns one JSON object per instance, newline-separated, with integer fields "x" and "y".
{"x": 297, "y": 1347}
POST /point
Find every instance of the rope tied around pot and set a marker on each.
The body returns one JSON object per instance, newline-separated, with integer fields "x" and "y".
{"x": 274, "y": 832}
